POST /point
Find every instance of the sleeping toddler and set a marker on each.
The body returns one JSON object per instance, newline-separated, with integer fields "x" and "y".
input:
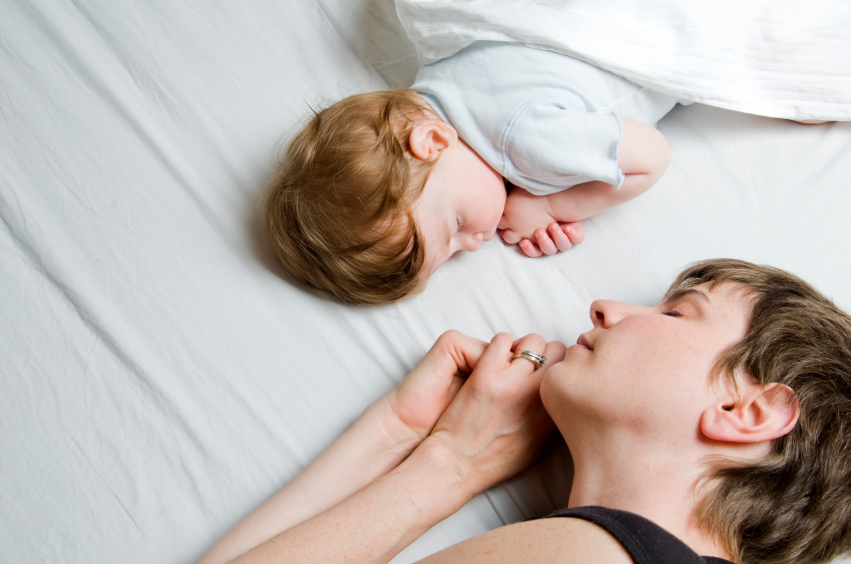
{"x": 378, "y": 190}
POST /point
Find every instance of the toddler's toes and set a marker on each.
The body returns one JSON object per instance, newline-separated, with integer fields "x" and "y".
{"x": 574, "y": 231}
{"x": 559, "y": 237}
{"x": 545, "y": 243}
{"x": 530, "y": 248}
{"x": 510, "y": 236}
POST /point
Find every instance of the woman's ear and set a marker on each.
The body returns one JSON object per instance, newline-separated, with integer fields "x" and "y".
{"x": 429, "y": 137}
{"x": 759, "y": 414}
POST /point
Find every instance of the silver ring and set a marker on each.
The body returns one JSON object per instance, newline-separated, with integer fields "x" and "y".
{"x": 537, "y": 359}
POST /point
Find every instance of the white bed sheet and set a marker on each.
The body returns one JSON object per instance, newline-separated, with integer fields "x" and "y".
{"x": 160, "y": 375}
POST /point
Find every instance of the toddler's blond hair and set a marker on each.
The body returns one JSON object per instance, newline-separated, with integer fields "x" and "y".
{"x": 338, "y": 214}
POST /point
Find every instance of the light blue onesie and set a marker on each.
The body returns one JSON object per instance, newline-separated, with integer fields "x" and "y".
{"x": 543, "y": 120}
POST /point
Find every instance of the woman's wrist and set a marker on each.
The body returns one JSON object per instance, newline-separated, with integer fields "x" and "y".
{"x": 381, "y": 519}
{"x": 393, "y": 438}
{"x": 458, "y": 478}
{"x": 432, "y": 484}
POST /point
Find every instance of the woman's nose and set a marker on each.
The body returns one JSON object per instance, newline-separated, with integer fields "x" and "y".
{"x": 605, "y": 313}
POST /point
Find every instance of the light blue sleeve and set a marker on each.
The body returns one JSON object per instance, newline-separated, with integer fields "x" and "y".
{"x": 552, "y": 143}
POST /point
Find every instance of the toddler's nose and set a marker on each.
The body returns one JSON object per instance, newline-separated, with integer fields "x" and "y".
{"x": 471, "y": 243}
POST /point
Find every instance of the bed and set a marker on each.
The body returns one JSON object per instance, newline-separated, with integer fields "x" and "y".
{"x": 161, "y": 376}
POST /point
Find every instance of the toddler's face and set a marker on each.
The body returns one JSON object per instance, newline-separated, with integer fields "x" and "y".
{"x": 460, "y": 206}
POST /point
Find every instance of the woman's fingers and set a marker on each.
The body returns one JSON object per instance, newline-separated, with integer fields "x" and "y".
{"x": 554, "y": 351}
{"x": 500, "y": 346}
{"x": 531, "y": 343}
{"x": 462, "y": 350}
{"x": 496, "y": 356}
{"x": 422, "y": 397}
{"x": 557, "y": 351}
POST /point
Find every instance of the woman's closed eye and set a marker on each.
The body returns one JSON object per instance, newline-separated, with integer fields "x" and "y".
{"x": 672, "y": 313}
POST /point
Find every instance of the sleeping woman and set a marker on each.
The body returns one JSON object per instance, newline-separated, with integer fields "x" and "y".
{"x": 713, "y": 427}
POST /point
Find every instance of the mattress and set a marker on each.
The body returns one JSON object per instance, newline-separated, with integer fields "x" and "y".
{"x": 161, "y": 376}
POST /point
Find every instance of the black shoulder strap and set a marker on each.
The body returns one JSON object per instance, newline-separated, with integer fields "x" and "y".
{"x": 645, "y": 541}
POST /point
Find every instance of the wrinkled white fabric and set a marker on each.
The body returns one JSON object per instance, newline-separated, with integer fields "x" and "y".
{"x": 785, "y": 58}
{"x": 159, "y": 375}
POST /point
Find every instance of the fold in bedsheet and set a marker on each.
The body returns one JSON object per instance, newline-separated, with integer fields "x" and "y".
{"x": 781, "y": 59}
{"x": 160, "y": 376}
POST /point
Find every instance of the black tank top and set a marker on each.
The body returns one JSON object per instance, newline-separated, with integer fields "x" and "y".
{"x": 645, "y": 541}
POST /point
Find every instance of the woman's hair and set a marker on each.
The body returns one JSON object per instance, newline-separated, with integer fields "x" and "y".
{"x": 793, "y": 506}
{"x": 338, "y": 214}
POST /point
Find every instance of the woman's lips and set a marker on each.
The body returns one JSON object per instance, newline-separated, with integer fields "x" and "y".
{"x": 583, "y": 341}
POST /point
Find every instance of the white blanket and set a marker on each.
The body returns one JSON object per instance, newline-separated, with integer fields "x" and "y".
{"x": 785, "y": 59}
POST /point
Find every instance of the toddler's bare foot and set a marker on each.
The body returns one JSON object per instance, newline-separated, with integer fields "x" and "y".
{"x": 556, "y": 237}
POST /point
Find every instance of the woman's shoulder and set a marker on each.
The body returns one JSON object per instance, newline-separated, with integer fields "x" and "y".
{"x": 567, "y": 540}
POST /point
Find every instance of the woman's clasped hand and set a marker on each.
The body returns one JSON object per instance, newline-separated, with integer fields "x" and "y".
{"x": 495, "y": 424}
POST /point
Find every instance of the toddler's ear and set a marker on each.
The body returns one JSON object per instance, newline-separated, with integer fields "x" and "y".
{"x": 430, "y": 137}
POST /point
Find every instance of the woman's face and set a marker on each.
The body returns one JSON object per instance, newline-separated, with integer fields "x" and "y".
{"x": 647, "y": 369}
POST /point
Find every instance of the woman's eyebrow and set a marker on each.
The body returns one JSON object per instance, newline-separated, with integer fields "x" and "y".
{"x": 683, "y": 293}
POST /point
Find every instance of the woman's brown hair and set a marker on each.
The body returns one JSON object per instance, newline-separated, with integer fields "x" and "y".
{"x": 338, "y": 214}
{"x": 793, "y": 506}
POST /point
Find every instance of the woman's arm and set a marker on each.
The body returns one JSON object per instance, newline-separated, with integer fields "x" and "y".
{"x": 374, "y": 524}
{"x": 366, "y": 450}
{"x": 440, "y": 476}
{"x": 387, "y": 431}
{"x": 643, "y": 156}
{"x": 491, "y": 430}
